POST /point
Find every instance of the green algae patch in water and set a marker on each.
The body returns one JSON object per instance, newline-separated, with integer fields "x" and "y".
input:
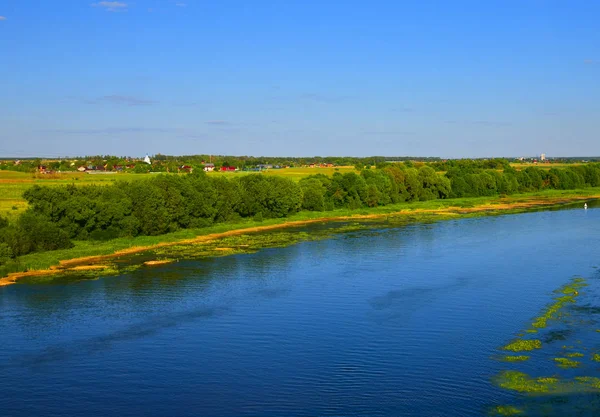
{"x": 522, "y": 345}
{"x": 566, "y": 363}
{"x": 511, "y": 358}
{"x": 596, "y": 357}
{"x": 575, "y": 355}
{"x": 591, "y": 382}
{"x": 506, "y": 410}
{"x": 521, "y": 382}
{"x": 569, "y": 292}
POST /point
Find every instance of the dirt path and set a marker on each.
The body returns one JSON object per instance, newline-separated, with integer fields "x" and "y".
{"x": 94, "y": 262}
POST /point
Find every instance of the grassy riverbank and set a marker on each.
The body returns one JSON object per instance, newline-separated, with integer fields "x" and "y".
{"x": 93, "y": 255}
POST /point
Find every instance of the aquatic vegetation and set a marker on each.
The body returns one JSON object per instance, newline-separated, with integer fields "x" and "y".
{"x": 506, "y": 410}
{"x": 569, "y": 291}
{"x": 566, "y": 357}
{"x": 589, "y": 381}
{"x": 521, "y": 382}
{"x": 522, "y": 345}
{"x": 519, "y": 358}
{"x": 566, "y": 363}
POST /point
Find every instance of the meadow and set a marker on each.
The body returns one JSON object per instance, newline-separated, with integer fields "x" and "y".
{"x": 13, "y": 183}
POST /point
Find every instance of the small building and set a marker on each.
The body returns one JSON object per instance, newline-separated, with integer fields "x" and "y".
{"x": 81, "y": 169}
{"x": 227, "y": 169}
{"x": 264, "y": 166}
{"x": 185, "y": 168}
{"x": 209, "y": 167}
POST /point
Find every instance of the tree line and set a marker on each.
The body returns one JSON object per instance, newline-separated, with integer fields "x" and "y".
{"x": 153, "y": 206}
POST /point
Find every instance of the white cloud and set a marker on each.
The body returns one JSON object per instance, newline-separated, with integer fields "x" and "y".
{"x": 2, "y": 18}
{"x": 181, "y": 4}
{"x": 111, "y": 6}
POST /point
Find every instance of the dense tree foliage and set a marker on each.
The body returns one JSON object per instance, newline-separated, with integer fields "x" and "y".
{"x": 166, "y": 203}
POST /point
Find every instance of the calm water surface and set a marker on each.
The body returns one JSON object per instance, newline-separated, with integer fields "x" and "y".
{"x": 388, "y": 322}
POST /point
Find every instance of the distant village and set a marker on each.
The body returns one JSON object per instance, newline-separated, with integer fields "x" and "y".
{"x": 219, "y": 163}
{"x": 96, "y": 165}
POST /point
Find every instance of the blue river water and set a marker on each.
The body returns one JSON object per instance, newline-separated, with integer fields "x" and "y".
{"x": 382, "y": 322}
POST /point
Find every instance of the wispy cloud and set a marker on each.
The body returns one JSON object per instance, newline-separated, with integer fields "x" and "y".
{"x": 2, "y": 18}
{"x": 403, "y": 109}
{"x": 218, "y": 123}
{"x": 181, "y": 4}
{"x": 591, "y": 62}
{"x": 111, "y": 6}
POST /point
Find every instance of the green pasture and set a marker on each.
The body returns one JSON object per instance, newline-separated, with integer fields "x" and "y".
{"x": 13, "y": 183}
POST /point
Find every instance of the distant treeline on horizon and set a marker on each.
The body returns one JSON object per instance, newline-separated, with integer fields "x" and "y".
{"x": 166, "y": 163}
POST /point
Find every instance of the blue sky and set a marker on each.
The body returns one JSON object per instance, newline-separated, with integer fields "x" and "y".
{"x": 300, "y": 78}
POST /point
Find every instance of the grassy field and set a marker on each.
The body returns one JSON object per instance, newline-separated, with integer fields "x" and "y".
{"x": 13, "y": 184}
{"x": 295, "y": 174}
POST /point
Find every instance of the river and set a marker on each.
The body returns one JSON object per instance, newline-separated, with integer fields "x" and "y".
{"x": 402, "y": 321}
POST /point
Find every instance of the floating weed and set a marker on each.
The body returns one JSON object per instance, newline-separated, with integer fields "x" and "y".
{"x": 569, "y": 292}
{"x": 506, "y": 410}
{"x": 566, "y": 363}
{"x": 589, "y": 381}
{"x": 521, "y": 382}
{"x": 596, "y": 357}
{"x": 522, "y": 345}
{"x": 511, "y": 358}
{"x": 575, "y": 355}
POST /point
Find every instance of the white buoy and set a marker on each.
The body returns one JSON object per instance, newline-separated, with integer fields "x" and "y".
{"x": 585, "y": 206}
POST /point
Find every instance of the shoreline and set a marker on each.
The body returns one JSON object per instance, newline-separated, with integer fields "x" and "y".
{"x": 501, "y": 206}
